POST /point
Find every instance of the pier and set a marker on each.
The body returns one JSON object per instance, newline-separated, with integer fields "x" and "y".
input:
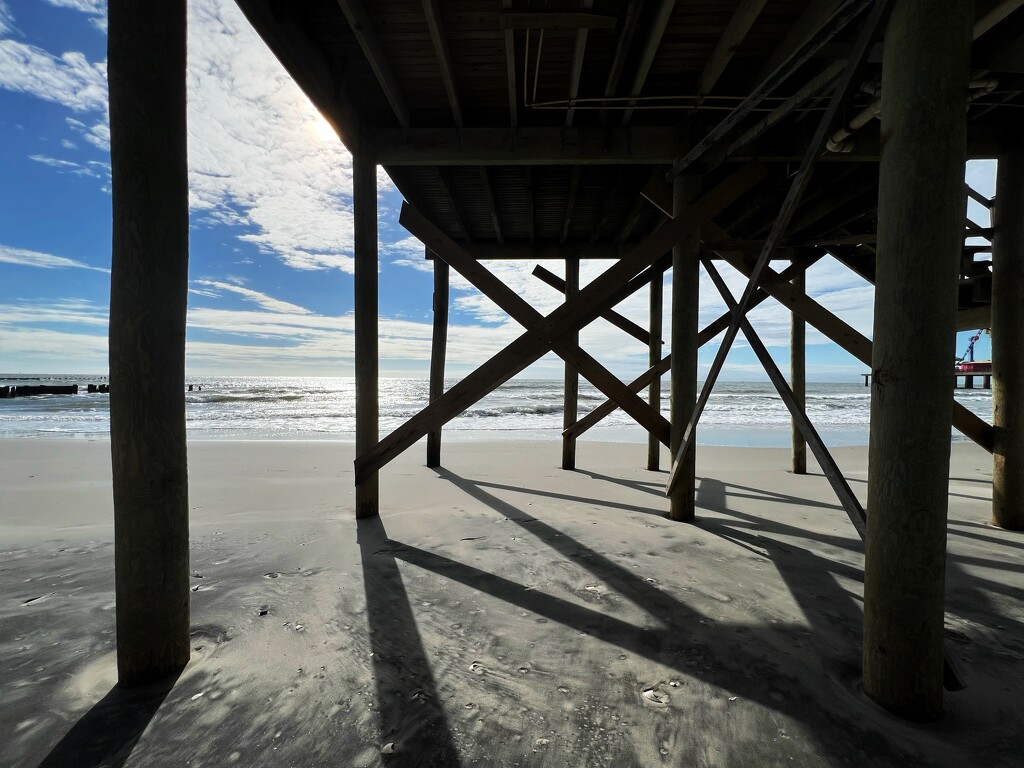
{"x": 666, "y": 137}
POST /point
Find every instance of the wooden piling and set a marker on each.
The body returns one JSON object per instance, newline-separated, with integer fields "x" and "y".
{"x": 685, "y": 319}
{"x": 148, "y": 290}
{"x": 438, "y": 348}
{"x": 364, "y": 200}
{"x": 921, "y": 210}
{"x": 653, "y": 358}
{"x": 1007, "y": 355}
{"x": 572, "y": 380}
{"x": 798, "y": 378}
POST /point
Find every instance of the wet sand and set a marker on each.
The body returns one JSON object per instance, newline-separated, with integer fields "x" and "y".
{"x": 500, "y": 611}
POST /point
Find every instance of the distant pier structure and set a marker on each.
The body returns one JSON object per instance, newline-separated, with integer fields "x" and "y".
{"x": 646, "y": 135}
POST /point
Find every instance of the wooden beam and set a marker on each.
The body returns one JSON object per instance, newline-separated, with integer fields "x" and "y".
{"x": 641, "y": 145}
{"x": 735, "y": 31}
{"x": 544, "y": 250}
{"x": 865, "y": 39}
{"x": 707, "y": 334}
{"x": 604, "y": 291}
{"x": 988, "y": 13}
{"x": 148, "y": 297}
{"x": 362, "y": 28}
{"x": 578, "y": 53}
{"x": 655, "y": 32}
{"x": 436, "y": 28}
{"x": 794, "y": 61}
{"x": 798, "y": 378}
{"x": 438, "y": 348}
{"x": 656, "y": 320}
{"x": 492, "y": 206}
{"x": 813, "y": 17}
{"x": 520, "y": 310}
{"x": 1007, "y": 355}
{"x": 571, "y": 393}
{"x": 365, "y": 311}
{"x": 977, "y": 196}
{"x": 510, "y": 72}
{"x": 622, "y": 47}
{"x": 555, "y": 20}
{"x": 621, "y": 322}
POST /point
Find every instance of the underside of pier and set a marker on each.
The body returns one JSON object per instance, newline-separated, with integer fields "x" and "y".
{"x": 665, "y": 137}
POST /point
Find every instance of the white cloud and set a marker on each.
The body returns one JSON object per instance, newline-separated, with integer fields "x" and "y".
{"x": 259, "y": 153}
{"x": 92, "y": 7}
{"x": 92, "y": 168}
{"x": 95, "y": 9}
{"x": 70, "y": 79}
{"x": 26, "y": 258}
{"x": 6, "y": 20}
{"x": 263, "y": 300}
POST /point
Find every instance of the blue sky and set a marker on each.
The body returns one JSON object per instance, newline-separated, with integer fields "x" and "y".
{"x": 271, "y": 226}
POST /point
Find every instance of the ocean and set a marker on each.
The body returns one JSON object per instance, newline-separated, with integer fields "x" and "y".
{"x": 295, "y": 408}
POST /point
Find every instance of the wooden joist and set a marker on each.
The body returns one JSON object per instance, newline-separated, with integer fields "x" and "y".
{"x": 362, "y": 28}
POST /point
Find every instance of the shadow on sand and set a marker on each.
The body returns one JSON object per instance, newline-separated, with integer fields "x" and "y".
{"x": 107, "y": 733}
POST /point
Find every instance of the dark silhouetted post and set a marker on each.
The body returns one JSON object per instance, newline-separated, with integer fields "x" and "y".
{"x": 685, "y": 319}
{"x": 1007, "y": 354}
{"x": 148, "y": 290}
{"x": 364, "y": 203}
{"x": 921, "y": 209}
{"x": 438, "y": 347}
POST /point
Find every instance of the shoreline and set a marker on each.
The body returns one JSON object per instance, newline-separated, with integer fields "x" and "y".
{"x": 500, "y": 610}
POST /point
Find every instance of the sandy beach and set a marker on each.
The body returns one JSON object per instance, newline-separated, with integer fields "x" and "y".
{"x": 501, "y": 611}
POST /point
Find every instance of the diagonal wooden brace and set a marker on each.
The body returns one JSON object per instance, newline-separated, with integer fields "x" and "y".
{"x": 850, "y": 503}
{"x": 621, "y": 322}
{"x": 842, "y": 333}
{"x": 713, "y": 328}
{"x": 519, "y": 310}
{"x": 875, "y": 18}
{"x": 610, "y": 287}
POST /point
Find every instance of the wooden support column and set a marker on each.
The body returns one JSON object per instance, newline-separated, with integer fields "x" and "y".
{"x": 364, "y": 203}
{"x": 438, "y": 347}
{"x": 572, "y": 379}
{"x": 148, "y": 290}
{"x": 798, "y": 378}
{"x": 1007, "y": 354}
{"x": 921, "y": 209}
{"x": 685, "y": 317}
{"x": 653, "y": 358}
